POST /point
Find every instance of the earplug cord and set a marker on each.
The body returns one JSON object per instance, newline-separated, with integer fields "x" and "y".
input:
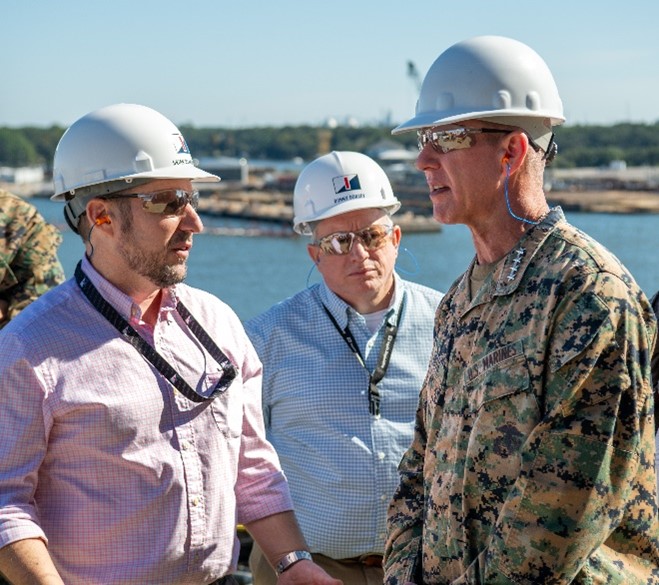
{"x": 505, "y": 189}
{"x": 98, "y": 221}
{"x": 89, "y": 239}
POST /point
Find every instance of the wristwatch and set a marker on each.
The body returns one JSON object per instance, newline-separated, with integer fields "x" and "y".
{"x": 290, "y": 559}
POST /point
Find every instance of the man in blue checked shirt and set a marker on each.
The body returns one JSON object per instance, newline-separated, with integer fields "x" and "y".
{"x": 343, "y": 363}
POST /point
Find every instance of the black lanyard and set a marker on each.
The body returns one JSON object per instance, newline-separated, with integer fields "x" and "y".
{"x": 390, "y": 332}
{"x": 133, "y": 337}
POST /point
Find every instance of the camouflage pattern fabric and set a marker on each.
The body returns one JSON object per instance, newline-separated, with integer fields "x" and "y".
{"x": 533, "y": 455}
{"x": 655, "y": 353}
{"x": 28, "y": 254}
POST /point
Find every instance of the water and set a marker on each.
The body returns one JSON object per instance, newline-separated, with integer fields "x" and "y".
{"x": 253, "y": 273}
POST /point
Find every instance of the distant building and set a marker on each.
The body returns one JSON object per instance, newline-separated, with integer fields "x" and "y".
{"x": 616, "y": 177}
{"x": 397, "y": 162}
{"x": 22, "y": 175}
{"x": 388, "y": 152}
{"x": 230, "y": 170}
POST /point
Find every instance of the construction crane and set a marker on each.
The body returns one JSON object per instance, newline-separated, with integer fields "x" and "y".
{"x": 413, "y": 74}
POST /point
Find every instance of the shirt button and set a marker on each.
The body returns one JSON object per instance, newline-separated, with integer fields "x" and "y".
{"x": 381, "y": 455}
{"x": 195, "y": 501}
{"x": 384, "y": 497}
{"x": 185, "y": 445}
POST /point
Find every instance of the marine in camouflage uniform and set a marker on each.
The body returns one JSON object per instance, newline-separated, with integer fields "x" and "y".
{"x": 533, "y": 455}
{"x": 28, "y": 254}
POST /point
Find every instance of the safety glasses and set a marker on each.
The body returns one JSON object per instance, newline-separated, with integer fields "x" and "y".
{"x": 165, "y": 202}
{"x": 340, "y": 243}
{"x": 453, "y": 139}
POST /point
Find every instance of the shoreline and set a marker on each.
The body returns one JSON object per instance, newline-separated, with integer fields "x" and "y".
{"x": 606, "y": 201}
{"x": 275, "y": 207}
{"x": 416, "y": 214}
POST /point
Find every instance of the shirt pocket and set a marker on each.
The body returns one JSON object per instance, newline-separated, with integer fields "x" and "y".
{"x": 503, "y": 408}
{"x": 503, "y": 380}
{"x": 227, "y": 407}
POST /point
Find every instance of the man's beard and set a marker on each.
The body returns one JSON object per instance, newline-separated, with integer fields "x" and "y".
{"x": 153, "y": 265}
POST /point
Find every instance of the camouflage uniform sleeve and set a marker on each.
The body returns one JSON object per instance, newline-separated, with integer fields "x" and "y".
{"x": 655, "y": 353}
{"x": 28, "y": 255}
{"x": 405, "y": 518}
{"x": 585, "y": 499}
{"x": 402, "y": 555}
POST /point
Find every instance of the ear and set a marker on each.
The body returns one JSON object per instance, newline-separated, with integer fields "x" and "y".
{"x": 98, "y": 212}
{"x": 515, "y": 148}
{"x": 396, "y": 235}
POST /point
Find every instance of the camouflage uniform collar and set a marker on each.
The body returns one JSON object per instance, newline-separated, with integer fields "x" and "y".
{"x": 509, "y": 274}
{"x": 509, "y": 270}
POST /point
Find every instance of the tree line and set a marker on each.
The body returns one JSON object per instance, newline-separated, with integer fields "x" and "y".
{"x": 578, "y": 146}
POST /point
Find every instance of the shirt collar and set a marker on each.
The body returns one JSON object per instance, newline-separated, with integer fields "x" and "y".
{"x": 123, "y": 303}
{"x": 342, "y": 311}
{"x": 509, "y": 273}
{"x": 510, "y": 269}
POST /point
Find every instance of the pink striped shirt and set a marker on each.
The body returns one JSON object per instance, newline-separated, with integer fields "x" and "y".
{"x": 126, "y": 479}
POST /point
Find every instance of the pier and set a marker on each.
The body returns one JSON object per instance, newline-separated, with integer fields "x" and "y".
{"x": 276, "y": 208}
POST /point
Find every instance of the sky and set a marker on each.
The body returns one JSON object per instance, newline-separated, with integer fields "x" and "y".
{"x": 246, "y": 63}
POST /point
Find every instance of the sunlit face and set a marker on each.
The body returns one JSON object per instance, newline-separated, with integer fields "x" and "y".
{"x": 155, "y": 246}
{"x": 463, "y": 182}
{"x": 363, "y": 278}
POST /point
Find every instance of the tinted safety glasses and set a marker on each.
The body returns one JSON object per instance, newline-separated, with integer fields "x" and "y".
{"x": 452, "y": 139}
{"x": 165, "y": 202}
{"x": 340, "y": 243}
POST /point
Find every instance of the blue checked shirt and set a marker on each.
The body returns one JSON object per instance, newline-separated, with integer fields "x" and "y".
{"x": 341, "y": 462}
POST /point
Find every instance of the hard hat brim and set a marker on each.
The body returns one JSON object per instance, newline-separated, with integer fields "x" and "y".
{"x": 430, "y": 119}
{"x": 302, "y": 226}
{"x": 189, "y": 172}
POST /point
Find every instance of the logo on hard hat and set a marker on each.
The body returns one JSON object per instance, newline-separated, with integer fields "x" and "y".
{"x": 180, "y": 145}
{"x": 346, "y": 183}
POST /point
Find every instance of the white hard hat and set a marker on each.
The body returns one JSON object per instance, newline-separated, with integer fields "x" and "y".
{"x": 108, "y": 149}
{"x": 494, "y": 78}
{"x": 337, "y": 183}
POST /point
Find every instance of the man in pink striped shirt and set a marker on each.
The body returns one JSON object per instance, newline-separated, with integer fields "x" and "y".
{"x": 130, "y": 408}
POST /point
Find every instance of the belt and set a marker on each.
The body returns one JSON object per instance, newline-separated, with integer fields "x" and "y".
{"x": 366, "y": 560}
{"x": 226, "y": 580}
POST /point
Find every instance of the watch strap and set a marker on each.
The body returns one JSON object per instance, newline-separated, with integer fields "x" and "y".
{"x": 287, "y": 561}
